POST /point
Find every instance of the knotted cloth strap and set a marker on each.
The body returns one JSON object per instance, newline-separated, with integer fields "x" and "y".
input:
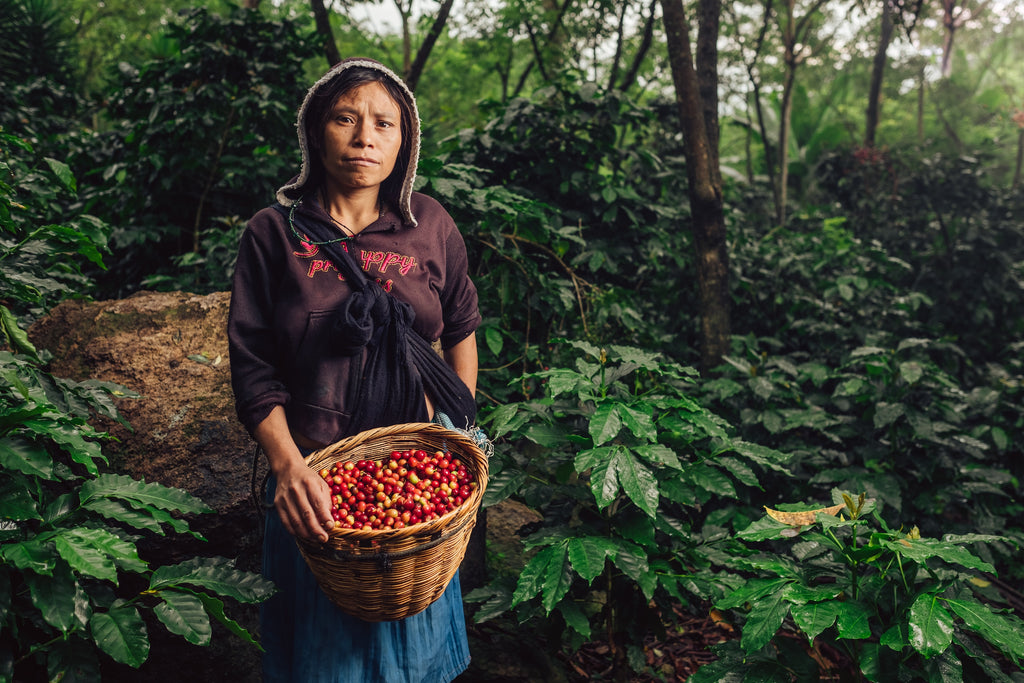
{"x": 399, "y": 364}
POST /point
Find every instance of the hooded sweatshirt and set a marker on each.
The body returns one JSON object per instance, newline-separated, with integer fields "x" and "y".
{"x": 286, "y": 292}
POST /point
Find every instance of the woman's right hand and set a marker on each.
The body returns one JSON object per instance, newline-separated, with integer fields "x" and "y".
{"x": 302, "y": 498}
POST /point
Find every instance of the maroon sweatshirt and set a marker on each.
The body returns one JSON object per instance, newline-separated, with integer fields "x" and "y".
{"x": 286, "y": 291}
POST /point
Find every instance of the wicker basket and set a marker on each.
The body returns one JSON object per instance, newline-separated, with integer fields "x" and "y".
{"x": 389, "y": 574}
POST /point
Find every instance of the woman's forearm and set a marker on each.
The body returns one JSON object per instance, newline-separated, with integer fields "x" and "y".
{"x": 462, "y": 358}
{"x": 302, "y": 498}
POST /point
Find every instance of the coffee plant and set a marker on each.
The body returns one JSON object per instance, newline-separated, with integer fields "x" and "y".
{"x": 888, "y": 604}
{"x": 73, "y": 586}
{"x": 631, "y": 476}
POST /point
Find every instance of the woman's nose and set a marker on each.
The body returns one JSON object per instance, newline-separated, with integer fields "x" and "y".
{"x": 363, "y": 133}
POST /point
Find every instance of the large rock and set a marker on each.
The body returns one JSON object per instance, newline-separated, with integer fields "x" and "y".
{"x": 171, "y": 348}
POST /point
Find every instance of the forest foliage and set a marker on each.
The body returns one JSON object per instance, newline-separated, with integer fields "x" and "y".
{"x": 877, "y": 292}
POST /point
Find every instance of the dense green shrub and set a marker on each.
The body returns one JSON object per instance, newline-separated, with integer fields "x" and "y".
{"x": 594, "y": 245}
{"x": 636, "y": 483}
{"x": 72, "y": 584}
{"x": 886, "y": 604}
{"x": 199, "y": 139}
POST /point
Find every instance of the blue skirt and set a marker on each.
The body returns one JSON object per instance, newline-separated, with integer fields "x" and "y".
{"x": 307, "y": 639}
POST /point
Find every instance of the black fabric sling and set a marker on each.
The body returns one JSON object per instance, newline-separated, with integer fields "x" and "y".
{"x": 399, "y": 364}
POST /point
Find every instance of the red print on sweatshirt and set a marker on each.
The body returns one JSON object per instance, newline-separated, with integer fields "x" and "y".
{"x": 384, "y": 262}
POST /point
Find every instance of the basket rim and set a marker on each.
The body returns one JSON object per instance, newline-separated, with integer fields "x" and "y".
{"x": 469, "y": 507}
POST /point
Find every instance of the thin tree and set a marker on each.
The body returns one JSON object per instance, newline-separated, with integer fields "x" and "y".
{"x": 323, "y": 27}
{"x": 415, "y": 70}
{"x": 877, "y": 74}
{"x": 955, "y": 14}
{"x": 704, "y": 180}
{"x": 646, "y": 40}
{"x": 797, "y": 49}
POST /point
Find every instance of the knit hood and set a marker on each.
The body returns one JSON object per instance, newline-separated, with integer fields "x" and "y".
{"x": 301, "y": 184}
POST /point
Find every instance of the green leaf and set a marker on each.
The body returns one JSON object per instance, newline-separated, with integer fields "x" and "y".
{"x": 761, "y": 455}
{"x": 548, "y": 436}
{"x": 548, "y": 572}
{"x": 36, "y": 554}
{"x": 213, "y": 573}
{"x": 853, "y": 621}
{"x": 911, "y": 371}
{"x": 1006, "y": 635}
{"x": 504, "y": 484}
{"x": 17, "y": 503}
{"x": 763, "y": 529}
{"x": 159, "y": 496}
{"x": 497, "y": 602}
{"x": 561, "y": 381}
{"x": 743, "y": 472}
{"x": 55, "y": 596}
{"x": 931, "y": 627}
{"x": 17, "y": 453}
{"x": 574, "y": 617}
{"x": 632, "y": 560}
{"x": 604, "y": 482}
{"x": 80, "y": 548}
{"x": 17, "y": 338}
{"x": 814, "y": 617}
{"x": 605, "y": 423}
{"x": 587, "y": 555}
{"x": 921, "y": 549}
{"x": 638, "y": 482}
{"x": 895, "y": 638}
{"x": 710, "y": 479}
{"x": 592, "y": 457}
{"x": 494, "y": 339}
{"x": 72, "y": 440}
{"x": 657, "y": 454}
{"x": 73, "y": 661}
{"x": 183, "y": 614}
{"x": 63, "y": 173}
{"x": 118, "y": 511}
{"x": 121, "y": 633}
{"x": 752, "y": 591}
{"x": 505, "y": 418}
{"x": 887, "y": 413}
{"x": 946, "y": 668}
{"x": 764, "y": 620}
{"x": 215, "y": 608}
{"x": 639, "y": 423}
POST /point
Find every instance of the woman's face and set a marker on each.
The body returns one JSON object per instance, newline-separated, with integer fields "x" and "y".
{"x": 361, "y": 139}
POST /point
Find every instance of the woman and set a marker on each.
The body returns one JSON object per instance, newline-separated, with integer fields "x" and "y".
{"x": 296, "y": 382}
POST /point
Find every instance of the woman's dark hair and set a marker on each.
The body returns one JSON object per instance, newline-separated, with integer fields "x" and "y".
{"x": 318, "y": 113}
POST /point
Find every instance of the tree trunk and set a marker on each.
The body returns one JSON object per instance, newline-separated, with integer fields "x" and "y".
{"x": 950, "y": 21}
{"x": 645, "y": 45}
{"x": 705, "y": 191}
{"x": 412, "y": 76}
{"x": 755, "y": 84}
{"x": 920, "y": 109}
{"x": 877, "y": 73}
{"x": 323, "y": 27}
{"x": 794, "y": 38}
{"x": 707, "y": 73}
{"x": 1020, "y": 160}
{"x": 552, "y": 39}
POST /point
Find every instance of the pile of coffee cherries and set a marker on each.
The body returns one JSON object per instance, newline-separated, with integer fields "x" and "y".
{"x": 410, "y": 487}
